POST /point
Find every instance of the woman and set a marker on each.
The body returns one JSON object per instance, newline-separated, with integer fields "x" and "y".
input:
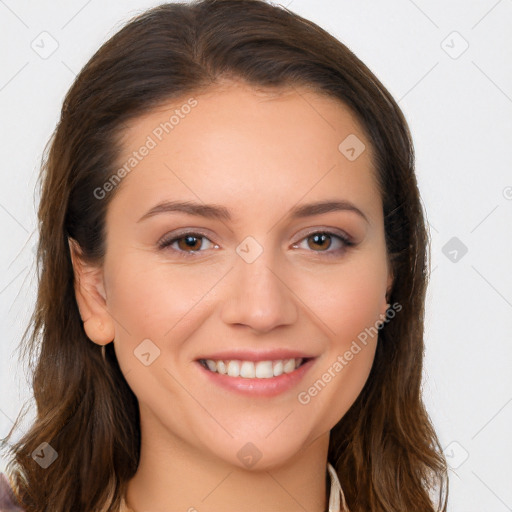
{"x": 233, "y": 265}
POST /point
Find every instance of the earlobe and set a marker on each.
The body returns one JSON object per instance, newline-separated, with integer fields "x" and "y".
{"x": 97, "y": 332}
{"x": 91, "y": 298}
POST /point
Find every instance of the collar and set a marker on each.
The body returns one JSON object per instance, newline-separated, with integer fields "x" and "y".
{"x": 337, "y": 501}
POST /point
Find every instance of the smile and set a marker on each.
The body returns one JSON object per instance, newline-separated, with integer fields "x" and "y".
{"x": 251, "y": 369}
{"x": 266, "y": 378}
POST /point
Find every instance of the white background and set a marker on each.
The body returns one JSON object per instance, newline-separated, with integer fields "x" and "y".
{"x": 459, "y": 107}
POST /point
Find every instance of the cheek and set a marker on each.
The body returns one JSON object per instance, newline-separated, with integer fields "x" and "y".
{"x": 347, "y": 306}
{"x": 151, "y": 298}
{"x": 163, "y": 303}
{"x": 347, "y": 299}
{"x": 157, "y": 302}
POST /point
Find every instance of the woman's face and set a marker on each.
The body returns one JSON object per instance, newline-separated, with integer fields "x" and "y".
{"x": 248, "y": 270}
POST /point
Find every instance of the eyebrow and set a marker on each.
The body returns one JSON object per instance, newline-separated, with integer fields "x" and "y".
{"x": 217, "y": 212}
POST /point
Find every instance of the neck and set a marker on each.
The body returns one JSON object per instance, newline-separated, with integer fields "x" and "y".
{"x": 176, "y": 476}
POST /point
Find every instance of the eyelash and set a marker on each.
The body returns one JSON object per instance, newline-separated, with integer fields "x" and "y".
{"x": 167, "y": 242}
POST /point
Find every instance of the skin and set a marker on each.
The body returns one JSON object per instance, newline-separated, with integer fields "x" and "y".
{"x": 258, "y": 154}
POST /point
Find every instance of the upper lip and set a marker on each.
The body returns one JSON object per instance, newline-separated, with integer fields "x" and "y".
{"x": 256, "y": 355}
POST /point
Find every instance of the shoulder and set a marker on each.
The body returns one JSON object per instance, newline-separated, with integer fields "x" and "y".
{"x": 7, "y": 498}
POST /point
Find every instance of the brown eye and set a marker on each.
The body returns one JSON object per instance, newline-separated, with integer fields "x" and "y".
{"x": 187, "y": 244}
{"x": 324, "y": 241}
{"x": 320, "y": 241}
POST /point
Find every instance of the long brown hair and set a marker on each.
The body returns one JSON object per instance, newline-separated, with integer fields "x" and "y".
{"x": 384, "y": 449}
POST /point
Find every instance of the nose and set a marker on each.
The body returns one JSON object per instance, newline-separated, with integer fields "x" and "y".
{"x": 259, "y": 295}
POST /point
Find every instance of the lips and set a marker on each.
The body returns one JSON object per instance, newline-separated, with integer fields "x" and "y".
{"x": 256, "y": 355}
{"x": 265, "y": 386}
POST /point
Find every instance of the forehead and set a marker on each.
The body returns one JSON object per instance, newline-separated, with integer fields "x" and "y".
{"x": 250, "y": 147}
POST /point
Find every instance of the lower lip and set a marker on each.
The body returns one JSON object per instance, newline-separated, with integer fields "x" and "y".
{"x": 258, "y": 387}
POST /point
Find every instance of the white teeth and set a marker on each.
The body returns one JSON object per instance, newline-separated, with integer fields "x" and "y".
{"x": 247, "y": 370}
{"x": 221, "y": 367}
{"x": 289, "y": 365}
{"x": 264, "y": 369}
{"x": 251, "y": 370}
{"x": 278, "y": 368}
{"x": 234, "y": 368}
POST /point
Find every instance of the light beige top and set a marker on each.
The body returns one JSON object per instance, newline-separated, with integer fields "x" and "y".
{"x": 337, "y": 501}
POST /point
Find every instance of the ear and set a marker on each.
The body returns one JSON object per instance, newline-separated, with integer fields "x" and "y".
{"x": 91, "y": 298}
